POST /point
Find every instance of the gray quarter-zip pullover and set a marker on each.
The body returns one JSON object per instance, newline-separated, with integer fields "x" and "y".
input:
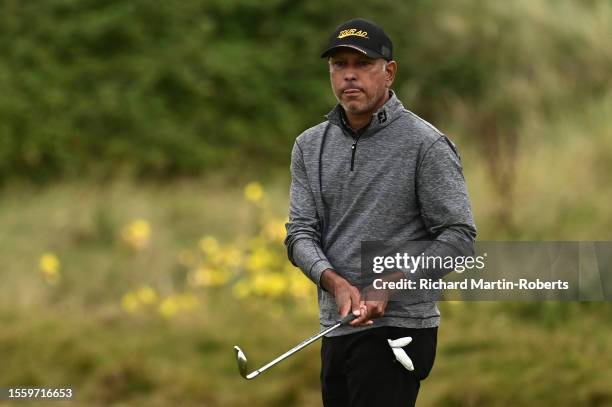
{"x": 398, "y": 180}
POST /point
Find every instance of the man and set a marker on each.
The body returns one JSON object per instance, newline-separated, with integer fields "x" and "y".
{"x": 372, "y": 171}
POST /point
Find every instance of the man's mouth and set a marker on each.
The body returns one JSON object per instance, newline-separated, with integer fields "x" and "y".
{"x": 352, "y": 92}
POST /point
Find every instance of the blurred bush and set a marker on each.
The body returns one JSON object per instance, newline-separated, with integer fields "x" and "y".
{"x": 161, "y": 89}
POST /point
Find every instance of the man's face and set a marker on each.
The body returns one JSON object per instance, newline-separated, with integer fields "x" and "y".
{"x": 360, "y": 83}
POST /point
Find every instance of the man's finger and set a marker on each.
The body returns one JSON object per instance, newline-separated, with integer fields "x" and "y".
{"x": 343, "y": 310}
{"x": 379, "y": 309}
{"x": 343, "y": 302}
{"x": 362, "y": 316}
{"x": 355, "y": 300}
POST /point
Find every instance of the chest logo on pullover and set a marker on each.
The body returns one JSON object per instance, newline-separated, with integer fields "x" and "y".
{"x": 382, "y": 116}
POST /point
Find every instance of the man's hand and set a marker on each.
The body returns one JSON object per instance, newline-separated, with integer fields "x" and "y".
{"x": 347, "y": 296}
{"x": 372, "y": 305}
{"x": 348, "y": 299}
{"x": 374, "y": 302}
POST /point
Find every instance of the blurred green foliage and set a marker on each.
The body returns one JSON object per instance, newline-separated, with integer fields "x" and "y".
{"x": 161, "y": 89}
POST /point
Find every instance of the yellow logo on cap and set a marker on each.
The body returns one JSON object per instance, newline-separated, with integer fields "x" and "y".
{"x": 353, "y": 32}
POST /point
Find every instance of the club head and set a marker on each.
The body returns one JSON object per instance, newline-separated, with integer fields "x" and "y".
{"x": 241, "y": 359}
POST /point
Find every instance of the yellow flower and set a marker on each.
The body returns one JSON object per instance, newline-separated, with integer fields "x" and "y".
{"x": 230, "y": 258}
{"x": 209, "y": 245}
{"x": 253, "y": 192}
{"x": 137, "y": 234}
{"x": 207, "y": 277}
{"x": 168, "y": 307}
{"x": 215, "y": 258}
{"x": 49, "y": 264}
{"x": 146, "y": 295}
{"x": 217, "y": 277}
{"x": 173, "y": 304}
{"x": 225, "y": 258}
{"x": 261, "y": 259}
{"x": 129, "y": 303}
{"x": 277, "y": 284}
{"x": 269, "y": 284}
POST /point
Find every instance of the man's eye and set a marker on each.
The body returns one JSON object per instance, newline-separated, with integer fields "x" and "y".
{"x": 339, "y": 64}
{"x": 364, "y": 63}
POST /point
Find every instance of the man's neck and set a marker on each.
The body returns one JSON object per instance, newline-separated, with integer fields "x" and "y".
{"x": 357, "y": 122}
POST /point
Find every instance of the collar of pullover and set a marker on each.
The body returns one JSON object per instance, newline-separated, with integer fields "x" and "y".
{"x": 381, "y": 118}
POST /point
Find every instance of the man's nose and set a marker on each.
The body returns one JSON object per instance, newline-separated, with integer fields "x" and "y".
{"x": 350, "y": 74}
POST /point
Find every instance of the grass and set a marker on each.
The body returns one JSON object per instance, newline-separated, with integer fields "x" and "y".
{"x": 77, "y": 334}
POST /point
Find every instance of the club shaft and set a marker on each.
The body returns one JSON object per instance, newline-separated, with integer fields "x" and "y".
{"x": 300, "y": 346}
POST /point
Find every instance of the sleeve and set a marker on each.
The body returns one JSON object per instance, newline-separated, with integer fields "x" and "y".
{"x": 303, "y": 239}
{"x": 444, "y": 202}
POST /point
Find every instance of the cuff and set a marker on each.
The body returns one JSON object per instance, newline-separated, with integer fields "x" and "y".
{"x": 317, "y": 270}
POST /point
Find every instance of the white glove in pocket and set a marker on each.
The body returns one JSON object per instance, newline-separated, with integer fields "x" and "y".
{"x": 401, "y": 356}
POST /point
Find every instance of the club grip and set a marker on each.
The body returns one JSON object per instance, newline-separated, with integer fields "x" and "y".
{"x": 350, "y": 316}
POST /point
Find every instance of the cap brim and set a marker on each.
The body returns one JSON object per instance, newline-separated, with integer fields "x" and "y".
{"x": 367, "y": 52}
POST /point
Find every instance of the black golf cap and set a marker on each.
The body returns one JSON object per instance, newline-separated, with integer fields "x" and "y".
{"x": 361, "y": 35}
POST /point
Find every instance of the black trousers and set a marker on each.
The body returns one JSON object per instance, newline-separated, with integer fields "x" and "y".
{"x": 360, "y": 370}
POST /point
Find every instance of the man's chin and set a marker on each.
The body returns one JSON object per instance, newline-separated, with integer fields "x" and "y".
{"x": 353, "y": 107}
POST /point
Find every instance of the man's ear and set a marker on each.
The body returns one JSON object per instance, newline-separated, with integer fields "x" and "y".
{"x": 390, "y": 72}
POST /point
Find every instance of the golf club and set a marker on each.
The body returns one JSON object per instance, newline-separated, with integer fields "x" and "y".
{"x": 242, "y": 359}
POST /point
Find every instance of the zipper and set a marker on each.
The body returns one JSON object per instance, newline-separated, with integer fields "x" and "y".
{"x": 353, "y": 150}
